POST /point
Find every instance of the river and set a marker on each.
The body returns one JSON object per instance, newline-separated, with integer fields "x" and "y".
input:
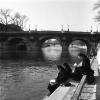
{"x": 28, "y": 79}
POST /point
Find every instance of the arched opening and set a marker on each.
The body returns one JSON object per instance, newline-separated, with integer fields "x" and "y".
{"x": 16, "y": 44}
{"x": 16, "y": 49}
{"x": 52, "y": 49}
{"x": 76, "y": 47}
{"x": 21, "y": 47}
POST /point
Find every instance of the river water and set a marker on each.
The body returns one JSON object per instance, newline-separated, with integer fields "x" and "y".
{"x": 28, "y": 79}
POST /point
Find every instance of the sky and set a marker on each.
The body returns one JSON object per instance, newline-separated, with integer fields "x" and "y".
{"x": 52, "y": 14}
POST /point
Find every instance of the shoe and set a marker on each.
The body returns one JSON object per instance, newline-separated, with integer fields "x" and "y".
{"x": 68, "y": 84}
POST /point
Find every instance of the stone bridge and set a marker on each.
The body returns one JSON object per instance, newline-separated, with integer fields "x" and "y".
{"x": 34, "y": 40}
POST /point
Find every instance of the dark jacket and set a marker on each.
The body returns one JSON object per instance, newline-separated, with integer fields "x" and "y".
{"x": 86, "y": 67}
{"x": 77, "y": 75}
{"x": 63, "y": 75}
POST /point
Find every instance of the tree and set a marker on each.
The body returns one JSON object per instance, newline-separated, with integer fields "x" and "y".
{"x": 17, "y": 19}
{"x": 20, "y": 20}
{"x": 5, "y": 17}
{"x": 96, "y": 7}
{"x": 2, "y": 27}
{"x": 12, "y": 27}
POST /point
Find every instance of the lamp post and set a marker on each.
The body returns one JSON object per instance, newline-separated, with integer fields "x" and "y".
{"x": 68, "y": 28}
{"x": 29, "y": 27}
{"x": 62, "y": 30}
{"x": 98, "y": 27}
{"x": 35, "y": 27}
{"x": 91, "y": 29}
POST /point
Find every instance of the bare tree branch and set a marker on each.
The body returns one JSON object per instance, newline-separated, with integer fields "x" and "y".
{"x": 17, "y": 19}
{"x": 5, "y": 15}
{"x": 20, "y": 20}
{"x": 96, "y": 5}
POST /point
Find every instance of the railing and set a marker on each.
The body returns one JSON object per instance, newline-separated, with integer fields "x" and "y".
{"x": 79, "y": 89}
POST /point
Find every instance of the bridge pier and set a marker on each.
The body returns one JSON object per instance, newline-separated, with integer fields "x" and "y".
{"x": 2, "y": 49}
{"x": 18, "y": 51}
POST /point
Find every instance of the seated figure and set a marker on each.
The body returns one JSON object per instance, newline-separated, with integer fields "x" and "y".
{"x": 84, "y": 69}
{"x": 63, "y": 75}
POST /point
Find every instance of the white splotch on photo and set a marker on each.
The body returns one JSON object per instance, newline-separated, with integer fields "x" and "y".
{"x": 98, "y": 56}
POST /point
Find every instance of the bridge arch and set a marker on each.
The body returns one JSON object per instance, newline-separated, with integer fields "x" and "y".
{"x": 16, "y": 44}
{"x": 86, "y": 43}
{"x": 42, "y": 41}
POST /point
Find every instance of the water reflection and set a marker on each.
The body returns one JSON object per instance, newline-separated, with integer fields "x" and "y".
{"x": 76, "y": 47}
{"x": 52, "y": 52}
{"x": 75, "y": 50}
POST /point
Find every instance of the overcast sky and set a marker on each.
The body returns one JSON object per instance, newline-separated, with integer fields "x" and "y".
{"x": 51, "y": 14}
